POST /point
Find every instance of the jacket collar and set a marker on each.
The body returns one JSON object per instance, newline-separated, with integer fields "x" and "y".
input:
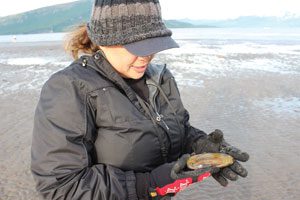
{"x": 155, "y": 72}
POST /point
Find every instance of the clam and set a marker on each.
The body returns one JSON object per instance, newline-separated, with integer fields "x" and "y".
{"x": 205, "y": 160}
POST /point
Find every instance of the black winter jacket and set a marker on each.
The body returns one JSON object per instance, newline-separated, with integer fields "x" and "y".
{"x": 92, "y": 133}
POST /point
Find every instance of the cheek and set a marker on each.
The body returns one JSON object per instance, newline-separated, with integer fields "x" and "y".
{"x": 128, "y": 61}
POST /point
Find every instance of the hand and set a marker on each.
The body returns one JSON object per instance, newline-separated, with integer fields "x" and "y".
{"x": 170, "y": 178}
{"x": 215, "y": 143}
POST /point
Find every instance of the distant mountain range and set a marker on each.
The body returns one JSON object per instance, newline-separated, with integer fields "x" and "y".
{"x": 60, "y": 18}
{"x": 56, "y": 18}
{"x": 251, "y": 22}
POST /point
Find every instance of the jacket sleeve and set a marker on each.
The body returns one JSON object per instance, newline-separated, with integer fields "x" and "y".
{"x": 60, "y": 160}
{"x": 192, "y": 133}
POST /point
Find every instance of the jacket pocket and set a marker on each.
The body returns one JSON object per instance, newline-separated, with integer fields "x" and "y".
{"x": 116, "y": 107}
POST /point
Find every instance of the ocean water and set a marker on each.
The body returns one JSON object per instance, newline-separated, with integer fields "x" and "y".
{"x": 48, "y": 37}
{"x": 212, "y": 52}
{"x": 207, "y": 52}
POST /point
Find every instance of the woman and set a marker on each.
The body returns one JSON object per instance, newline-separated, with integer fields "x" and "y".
{"x": 111, "y": 125}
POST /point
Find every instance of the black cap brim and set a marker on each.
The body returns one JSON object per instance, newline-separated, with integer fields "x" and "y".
{"x": 151, "y": 46}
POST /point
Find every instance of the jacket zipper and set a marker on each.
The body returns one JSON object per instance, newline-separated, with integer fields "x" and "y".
{"x": 159, "y": 119}
{"x": 155, "y": 107}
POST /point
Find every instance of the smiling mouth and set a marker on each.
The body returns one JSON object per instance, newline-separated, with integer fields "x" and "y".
{"x": 139, "y": 67}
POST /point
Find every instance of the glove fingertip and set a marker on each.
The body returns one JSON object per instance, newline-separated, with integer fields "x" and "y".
{"x": 238, "y": 155}
{"x": 239, "y": 169}
{"x": 244, "y": 173}
{"x": 229, "y": 174}
{"x": 245, "y": 157}
{"x": 220, "y": 179}
{"x": 216, "y": 136}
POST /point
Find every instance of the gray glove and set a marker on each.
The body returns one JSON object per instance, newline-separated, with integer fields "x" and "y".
{"x": 215, "y": 143}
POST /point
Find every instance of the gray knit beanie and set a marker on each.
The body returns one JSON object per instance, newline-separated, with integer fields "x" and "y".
{"x": 121, "y": 22}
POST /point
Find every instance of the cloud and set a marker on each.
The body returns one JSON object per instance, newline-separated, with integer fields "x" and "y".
{"x": 192, "y": 9}
{"x": 11, "y": 7}
{"x": 224, "y": 9}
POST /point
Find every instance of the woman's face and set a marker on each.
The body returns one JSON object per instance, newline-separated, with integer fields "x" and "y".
{"x": 125, "y": 63}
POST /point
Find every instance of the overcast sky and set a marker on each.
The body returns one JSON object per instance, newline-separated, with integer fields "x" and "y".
{"x": 179, "y": 9}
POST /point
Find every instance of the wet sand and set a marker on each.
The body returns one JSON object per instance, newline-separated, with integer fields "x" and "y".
{"x": 235, "y": 104}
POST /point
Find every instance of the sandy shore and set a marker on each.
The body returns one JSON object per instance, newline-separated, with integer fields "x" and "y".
{"x": 252, "y": 110}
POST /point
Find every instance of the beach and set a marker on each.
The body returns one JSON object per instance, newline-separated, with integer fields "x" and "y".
{"x": 256, "y": 105}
